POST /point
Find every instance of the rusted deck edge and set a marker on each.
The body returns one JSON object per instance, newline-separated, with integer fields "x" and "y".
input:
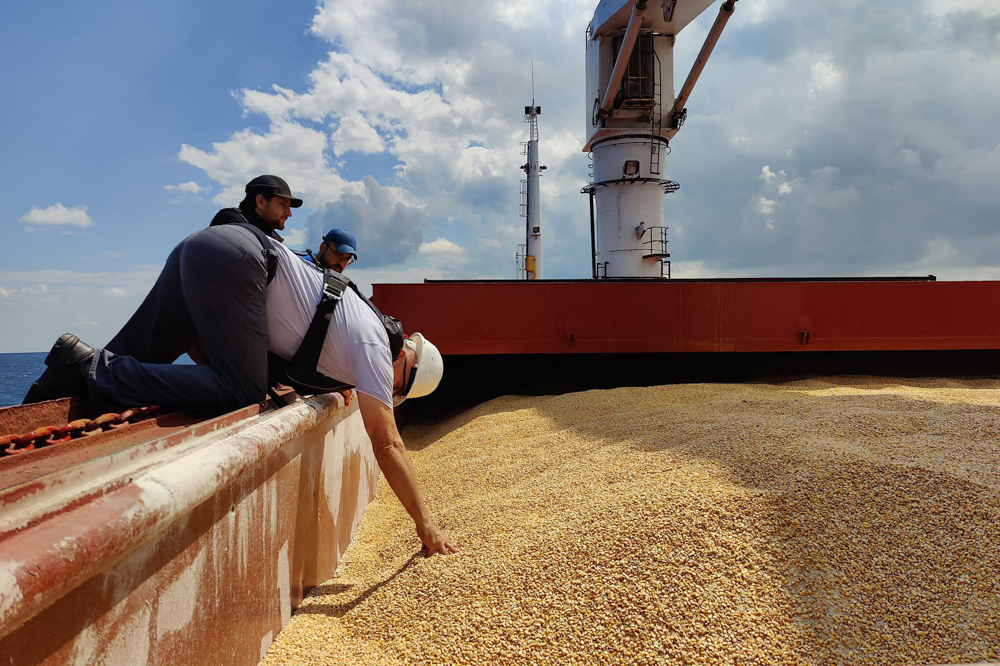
{"x": 57, "y": 488}
{"x": 40, "y": 565}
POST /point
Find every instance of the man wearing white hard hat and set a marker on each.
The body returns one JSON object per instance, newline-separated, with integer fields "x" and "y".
{"x": 425, "y": 369}
{"x": 356, "y": 351}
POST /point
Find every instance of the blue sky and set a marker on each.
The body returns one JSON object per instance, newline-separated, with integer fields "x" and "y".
{"x": 100, "y": 98}
{"x": 856, "y": 138}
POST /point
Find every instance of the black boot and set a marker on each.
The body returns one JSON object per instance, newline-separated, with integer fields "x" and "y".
{"x": 69, "y": 362}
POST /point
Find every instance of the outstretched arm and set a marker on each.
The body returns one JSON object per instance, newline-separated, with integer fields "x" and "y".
{"x": 395, "y": 464}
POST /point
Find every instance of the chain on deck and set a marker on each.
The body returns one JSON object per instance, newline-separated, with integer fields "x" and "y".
{"x": 80, "y": 428}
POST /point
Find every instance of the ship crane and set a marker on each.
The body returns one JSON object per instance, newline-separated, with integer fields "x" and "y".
{"x": 631, "y": 116}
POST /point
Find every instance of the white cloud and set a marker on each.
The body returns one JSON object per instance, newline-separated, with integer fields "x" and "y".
{"x": 388, "y": 230}
{"x": 973, "y": 172}
{"x": 189, "y": 187}
{"x": 354, "y": 133}
{"x": 365, "y": 278}
{"x": 58, "y": 215}
{"x": 824, "y": 76}
{"x": 762, "y": 10}
{"x": 942, "y": 8}
{"x": 442, "y": 246}
{"x": 51, "y": 276}
{"x": 444, "y": 254}
{"x": 291, "y": 150}
{"x": 99, "y": 303}
{"x": 295, "y": 237}
{"x": 767, "y": 175}
{"x": 765, "y": 206}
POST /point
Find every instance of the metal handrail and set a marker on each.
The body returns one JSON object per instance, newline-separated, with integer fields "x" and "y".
{"x": 657, "y": 242}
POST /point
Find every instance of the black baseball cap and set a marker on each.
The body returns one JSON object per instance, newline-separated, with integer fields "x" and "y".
{"x": 276, "y": 186}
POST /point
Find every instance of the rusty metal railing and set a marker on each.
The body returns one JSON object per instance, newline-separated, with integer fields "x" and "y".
{"x": 77, "y": 429}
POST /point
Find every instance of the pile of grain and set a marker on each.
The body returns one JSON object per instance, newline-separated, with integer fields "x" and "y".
{"x": 855, "y": 520}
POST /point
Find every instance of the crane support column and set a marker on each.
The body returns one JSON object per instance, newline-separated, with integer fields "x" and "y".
{"x": 621, "y": 63}
{"x": 725, "y": 11}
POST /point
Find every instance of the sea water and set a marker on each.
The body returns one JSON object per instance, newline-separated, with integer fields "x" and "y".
{"x": 18, "y": 371}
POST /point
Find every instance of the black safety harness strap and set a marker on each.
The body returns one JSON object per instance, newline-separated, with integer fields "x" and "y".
{"x": 279, "y": 400}
{"x": 302, "y": 368}
{"x": 302, "y": 372}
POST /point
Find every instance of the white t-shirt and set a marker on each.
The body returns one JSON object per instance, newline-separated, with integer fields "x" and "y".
{"x": 356, "y": 349}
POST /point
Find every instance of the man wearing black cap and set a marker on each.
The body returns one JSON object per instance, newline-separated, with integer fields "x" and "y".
{"x": 267, "y": 205}
{"x": 211, "y": 292}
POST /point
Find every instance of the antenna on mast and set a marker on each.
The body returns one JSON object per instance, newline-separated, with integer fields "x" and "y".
{"x": 532, "y": 83}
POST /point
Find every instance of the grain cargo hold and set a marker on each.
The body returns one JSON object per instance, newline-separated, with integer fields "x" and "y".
{"x": 851, "y": 520}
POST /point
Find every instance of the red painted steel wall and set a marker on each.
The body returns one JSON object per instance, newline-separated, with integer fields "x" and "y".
{"x": 552, "y": 317}
{"x": 190, "y": 550}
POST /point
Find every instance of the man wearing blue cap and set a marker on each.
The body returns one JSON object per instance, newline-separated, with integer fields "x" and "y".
{"x": 338, "y": 249}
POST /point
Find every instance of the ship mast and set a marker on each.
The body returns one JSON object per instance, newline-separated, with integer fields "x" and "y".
{"x": 529, "y": 258}
{"x": 533, "y": 214}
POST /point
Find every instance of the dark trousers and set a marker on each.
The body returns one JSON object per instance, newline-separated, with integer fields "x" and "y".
{"x": 212, "y": 289}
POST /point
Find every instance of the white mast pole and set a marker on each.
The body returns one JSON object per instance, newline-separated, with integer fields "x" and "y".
{"x": 533, "y": 232}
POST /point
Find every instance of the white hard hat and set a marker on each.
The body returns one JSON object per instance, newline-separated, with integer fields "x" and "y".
{"x": 429, "y": 367}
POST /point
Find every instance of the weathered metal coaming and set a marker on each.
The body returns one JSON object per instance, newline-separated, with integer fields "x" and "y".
{"x": 195, "y": 546}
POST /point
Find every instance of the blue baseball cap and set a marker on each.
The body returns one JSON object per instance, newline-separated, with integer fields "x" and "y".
{"x": 342, "y": 241}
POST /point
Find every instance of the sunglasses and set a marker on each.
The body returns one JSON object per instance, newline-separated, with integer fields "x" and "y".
{"x": 350, "y": 257}
{"x": 409, "y": 374}
{"x": 409, "y": 380}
